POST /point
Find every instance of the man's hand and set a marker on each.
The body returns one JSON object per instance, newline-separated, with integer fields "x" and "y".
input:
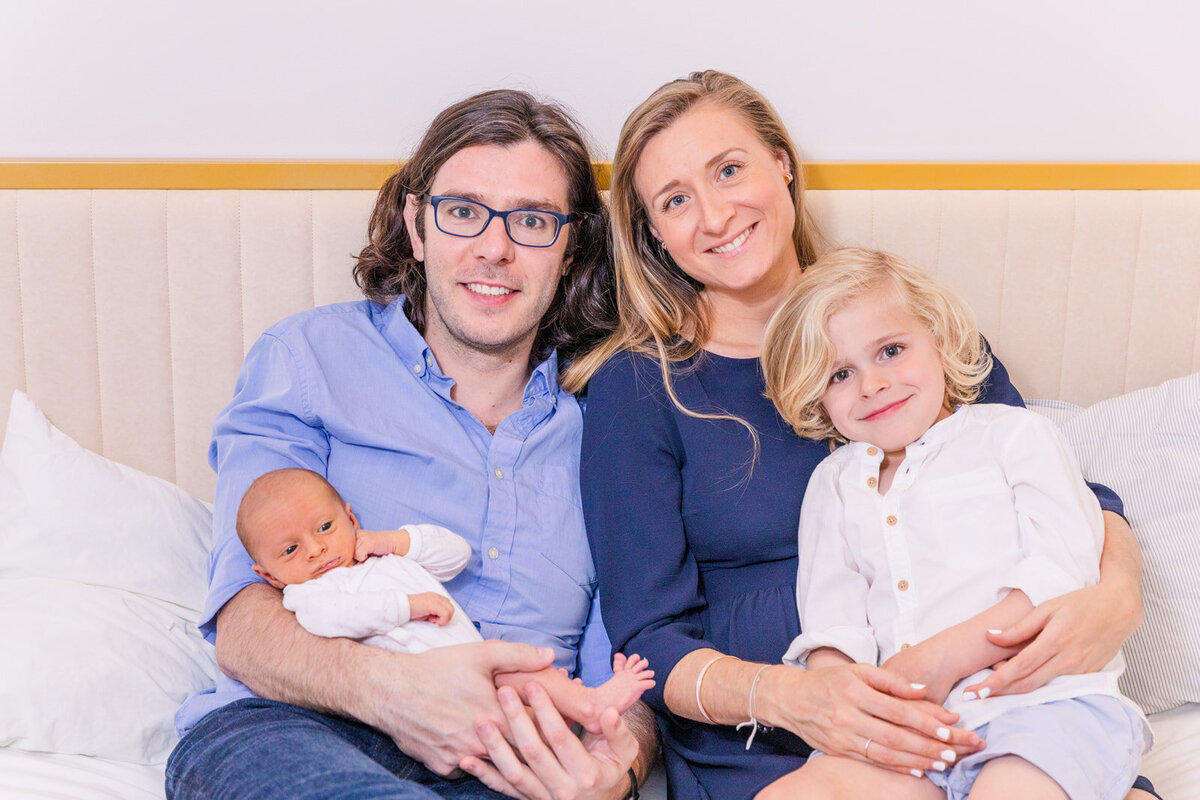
{"x": 430, "y": 607}
{"x": 429, "y": 703}
{"x": 543, "y": 760}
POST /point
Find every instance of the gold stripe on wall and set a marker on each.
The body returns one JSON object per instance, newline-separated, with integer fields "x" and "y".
{"x": 369, "y": 175}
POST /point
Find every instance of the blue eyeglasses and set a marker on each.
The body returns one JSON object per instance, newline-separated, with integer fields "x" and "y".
{"x": 530, "y": 227}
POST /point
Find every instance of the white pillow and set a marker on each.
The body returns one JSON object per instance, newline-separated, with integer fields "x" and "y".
{"x": 102, "y": 577}
{"x": 1145, "y": 445}
{"x": 83, "y": 517}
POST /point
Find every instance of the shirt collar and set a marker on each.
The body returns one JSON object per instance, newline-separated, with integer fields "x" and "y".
{"x": 414, "y": 352}
{"x": 941, "y": 432}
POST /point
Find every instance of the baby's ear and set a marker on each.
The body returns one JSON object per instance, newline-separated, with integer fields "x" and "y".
{"x": 268, "y": 577}
{"x": 353, "y": 519}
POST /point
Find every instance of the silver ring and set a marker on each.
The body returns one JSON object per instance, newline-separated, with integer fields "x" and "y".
{"x": 866, "y": 747}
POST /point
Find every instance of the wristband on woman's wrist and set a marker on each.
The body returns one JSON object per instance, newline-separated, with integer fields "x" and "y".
{"x": 633, "y": 787}
{"x": 753, "y": 721}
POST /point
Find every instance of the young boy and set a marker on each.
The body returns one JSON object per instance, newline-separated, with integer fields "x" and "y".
{"x": 385, "y": 587}
{"x": 937, "y": 521}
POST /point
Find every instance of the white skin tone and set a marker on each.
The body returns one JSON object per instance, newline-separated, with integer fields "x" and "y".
{"x": 297, "y": 530}
{"x": 441, "y": 706}
{"x": 887, "y": 388}
{"x": 706, "y": 181}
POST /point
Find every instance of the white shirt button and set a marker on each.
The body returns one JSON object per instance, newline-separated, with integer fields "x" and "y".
{"x": 493, "y": 553}
{"x": 417, "y": 368}
{"x": 499, "y": 473}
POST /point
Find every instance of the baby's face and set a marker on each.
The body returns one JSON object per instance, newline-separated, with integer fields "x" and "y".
{"x": 301, "y": 535}
{"x": 887, "y": 386}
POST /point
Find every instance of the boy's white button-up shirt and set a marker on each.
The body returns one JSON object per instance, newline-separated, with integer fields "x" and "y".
{"x": 990, "y": 499}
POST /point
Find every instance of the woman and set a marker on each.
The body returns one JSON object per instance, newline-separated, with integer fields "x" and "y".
{"x": 692, "y": 483}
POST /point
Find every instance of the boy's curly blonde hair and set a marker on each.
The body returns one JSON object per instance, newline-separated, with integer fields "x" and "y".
{"x": 798, "y": 356}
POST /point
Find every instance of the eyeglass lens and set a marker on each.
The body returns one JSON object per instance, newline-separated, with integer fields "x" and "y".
{"x": 459, "y": 217}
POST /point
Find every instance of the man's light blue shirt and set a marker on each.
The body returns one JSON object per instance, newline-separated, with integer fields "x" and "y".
{"x": 353, "y": 392}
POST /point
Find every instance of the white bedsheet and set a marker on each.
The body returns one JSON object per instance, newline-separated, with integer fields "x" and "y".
{"x": 1173, "y": 765}
{"x": 51, "y": 776}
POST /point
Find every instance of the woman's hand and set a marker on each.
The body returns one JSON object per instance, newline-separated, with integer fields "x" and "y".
{"x": 545, "y": 761}
{"x": 839, "y": 709}
{"x": 1073, "y": 634}
{"x": 1078, "y": 632}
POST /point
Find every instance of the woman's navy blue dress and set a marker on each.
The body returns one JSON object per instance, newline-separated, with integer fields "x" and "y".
{"x": 695, "y": 542}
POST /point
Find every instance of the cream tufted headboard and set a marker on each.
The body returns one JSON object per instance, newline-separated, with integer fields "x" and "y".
{"x": 125, "y": 313}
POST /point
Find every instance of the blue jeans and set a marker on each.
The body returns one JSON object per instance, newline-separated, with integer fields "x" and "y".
{"x": 256, "y": 748}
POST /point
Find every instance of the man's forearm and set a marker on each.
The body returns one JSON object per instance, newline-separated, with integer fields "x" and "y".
{"x": 640, "y": 720}
{"x": 261, "y": 644}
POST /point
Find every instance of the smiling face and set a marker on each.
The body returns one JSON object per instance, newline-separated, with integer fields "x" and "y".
{"x": 717, "y": 199}
{"x": 487, "y": 294}
{"x": 887, "y": 386}
{"x": 297, "y": 530}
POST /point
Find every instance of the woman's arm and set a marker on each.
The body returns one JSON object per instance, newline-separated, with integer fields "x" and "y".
{"x": 834, "y": 709}
{"x": 1080, "y": 631}
{"x": 1083, "y": 630}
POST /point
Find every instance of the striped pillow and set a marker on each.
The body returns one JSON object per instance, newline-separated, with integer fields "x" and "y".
{"x": 1146, "y": 446}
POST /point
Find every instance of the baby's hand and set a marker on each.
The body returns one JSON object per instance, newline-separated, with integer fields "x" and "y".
{"x": 431, "y": 607}
{"x": 381, "y": 543}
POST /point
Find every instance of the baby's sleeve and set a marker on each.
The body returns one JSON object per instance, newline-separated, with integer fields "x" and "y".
{"x": 331, "y": 608}
{"x": 440, "y": 551}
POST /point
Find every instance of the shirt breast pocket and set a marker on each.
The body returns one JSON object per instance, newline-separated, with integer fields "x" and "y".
{"x": 974, "y": 517}
{"x": 553, "y": 492}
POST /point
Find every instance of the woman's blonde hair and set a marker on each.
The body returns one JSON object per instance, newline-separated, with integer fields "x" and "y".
{"x": 659, "y": 311}
{"x": 798, "y": 356}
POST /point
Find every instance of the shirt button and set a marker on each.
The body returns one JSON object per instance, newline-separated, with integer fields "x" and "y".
{"x": 872, "y": 482}
{"x": 499, "y": 473}
{"x": 905, "y": 646}
{"x": 417, "y": 368}
{"x": 902, "y": 586}
{"x": 872, "y": 451}
{"x": 493, "y": 553}
{"x": 891, "y": 520}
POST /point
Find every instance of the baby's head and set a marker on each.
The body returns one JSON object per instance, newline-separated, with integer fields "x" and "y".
{"x": 296, "y": 527}
{"x": 867, "y": 347}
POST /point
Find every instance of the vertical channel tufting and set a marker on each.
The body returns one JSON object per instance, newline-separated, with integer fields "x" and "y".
{"x": 1069, "y": 289}
{"x": 312, "y": 245}
{"x": 1137, "y": 259}
{"x": 96, "y": 315}
{"x": 20, "y": 294}
{"x": 170, "y": 334}
{"x": 241, "y": 264}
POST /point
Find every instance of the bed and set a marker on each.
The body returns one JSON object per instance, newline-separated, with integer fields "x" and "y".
{"x": 129, "y": 293}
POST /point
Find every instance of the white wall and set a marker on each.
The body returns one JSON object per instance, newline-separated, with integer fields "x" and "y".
{"x": 922, "y": 79}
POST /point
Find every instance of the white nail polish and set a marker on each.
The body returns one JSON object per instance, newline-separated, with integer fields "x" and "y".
{"x": 917, "y": 685}
{"x": 939, "y": 766}
{"x": 916, "y": 773}
{"x": 995, "y": 631}
{"x": 969, "y": 696}
{"x": 985, "y": 693}
{"x": 943, "y": 734}
{"x": 948, "y": 755}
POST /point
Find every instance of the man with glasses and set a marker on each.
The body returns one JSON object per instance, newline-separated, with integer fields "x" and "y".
{"x": 434, "y": 400}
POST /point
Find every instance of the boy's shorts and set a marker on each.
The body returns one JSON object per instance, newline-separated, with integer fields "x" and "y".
{"x": 1092, "y": 746}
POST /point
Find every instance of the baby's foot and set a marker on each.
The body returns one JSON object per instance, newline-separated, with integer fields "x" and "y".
{"x": 631, "y": 677}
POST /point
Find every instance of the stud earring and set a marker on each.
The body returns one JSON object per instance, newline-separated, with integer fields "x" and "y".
{"x": 787, "y": 178}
